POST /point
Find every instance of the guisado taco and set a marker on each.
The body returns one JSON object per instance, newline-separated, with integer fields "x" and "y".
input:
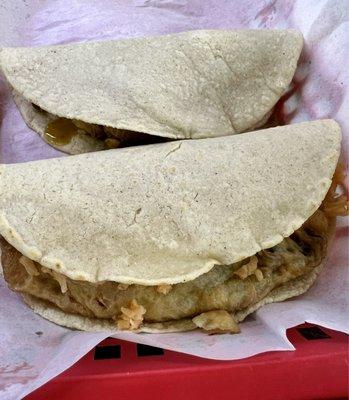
{"x": 96, "y": 95}
{"x": 172, "y": 236}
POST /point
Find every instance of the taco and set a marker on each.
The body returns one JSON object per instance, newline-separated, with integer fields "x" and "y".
{"x": 172, "y": 236}
{"x": 199, "y": 84}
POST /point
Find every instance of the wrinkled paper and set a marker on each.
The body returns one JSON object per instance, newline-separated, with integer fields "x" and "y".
{"x": 33, "y": 350}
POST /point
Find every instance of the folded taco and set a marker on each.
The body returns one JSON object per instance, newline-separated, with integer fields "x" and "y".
{"x": 96, "y": 95}
{"x": 172, "y": 236}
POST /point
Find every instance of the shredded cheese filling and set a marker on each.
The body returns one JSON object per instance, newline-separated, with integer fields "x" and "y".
{"x": 131, "y": 317}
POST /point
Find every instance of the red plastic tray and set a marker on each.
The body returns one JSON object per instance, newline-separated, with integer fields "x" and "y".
{"x": 318, "y": 369}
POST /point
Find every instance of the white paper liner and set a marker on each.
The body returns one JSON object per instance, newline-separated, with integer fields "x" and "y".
{"x": 32, "y": 350}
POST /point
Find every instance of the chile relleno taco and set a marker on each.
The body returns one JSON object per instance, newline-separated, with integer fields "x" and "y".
{"x": 96, "y": 95}
{"x": 172, "y": 236}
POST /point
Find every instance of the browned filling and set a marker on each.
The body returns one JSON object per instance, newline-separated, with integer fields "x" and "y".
{"x": 60, "y": 131}
{"x": 225, "y": 289}
{"x": 229, "y": 287}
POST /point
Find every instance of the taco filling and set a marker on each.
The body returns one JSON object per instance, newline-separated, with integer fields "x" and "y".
{"x": 60, "y": 131}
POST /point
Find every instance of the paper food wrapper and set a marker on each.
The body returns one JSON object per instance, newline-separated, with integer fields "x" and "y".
{"x": 33, "y": 350}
